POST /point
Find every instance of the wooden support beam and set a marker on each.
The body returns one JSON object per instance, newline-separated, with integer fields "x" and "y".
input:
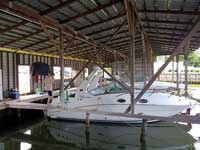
{"x": 132, "y": 29}
{"x": 51, "y": 38}
{"x": 177, "y": 73}
{"x": 72, "y": 80}
{"x": 173, "y": 70}
{"x": 62, "y": 97}
{"x": 194, "y": 29}
{"x": 144, "y": 58}
{"x": 186, "y": 53}
{"x": 119, "y": 82}
{"x": 141, "y": 27}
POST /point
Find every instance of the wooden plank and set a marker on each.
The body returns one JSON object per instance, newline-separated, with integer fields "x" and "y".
{"x": 26, "y": 105}
{"x": 2, "y": 106}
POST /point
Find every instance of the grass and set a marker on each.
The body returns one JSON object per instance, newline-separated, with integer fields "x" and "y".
{"x": 194, "y": 85}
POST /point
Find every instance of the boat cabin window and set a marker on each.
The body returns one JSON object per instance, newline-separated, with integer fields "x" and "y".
{"x": 108, "y": 89}
{"x": 143, "y": 101}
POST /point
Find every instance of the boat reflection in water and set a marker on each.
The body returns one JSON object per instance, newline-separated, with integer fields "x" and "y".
{"x": 75, "y": 136}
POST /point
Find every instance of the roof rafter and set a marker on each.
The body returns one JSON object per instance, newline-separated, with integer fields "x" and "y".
{"x": 100, "y": 7}
{"x": 171, "y": 12}
{"x": 34, "y": 17}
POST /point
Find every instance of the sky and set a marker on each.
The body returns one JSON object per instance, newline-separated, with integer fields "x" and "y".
{"x": 198, "y": 50}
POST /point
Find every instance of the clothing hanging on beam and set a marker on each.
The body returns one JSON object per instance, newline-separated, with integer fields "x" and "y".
{"x": 39, "y": 68}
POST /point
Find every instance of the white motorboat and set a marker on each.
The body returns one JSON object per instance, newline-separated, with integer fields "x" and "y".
{"x": 114, "y": 98}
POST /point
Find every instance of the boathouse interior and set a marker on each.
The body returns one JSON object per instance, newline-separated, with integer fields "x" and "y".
{"x": 117, "y": 34}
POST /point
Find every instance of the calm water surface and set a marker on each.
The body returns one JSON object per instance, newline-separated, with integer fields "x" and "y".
{"x": 56, "y": 135}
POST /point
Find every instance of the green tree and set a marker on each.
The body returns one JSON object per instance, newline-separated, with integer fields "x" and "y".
{"x": 194, "y": 59}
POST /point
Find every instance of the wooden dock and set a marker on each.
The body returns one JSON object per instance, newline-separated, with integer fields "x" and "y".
{"x": 2, "y": 106}
{"x": 27, "y": 105}
{"x": 26, "y": 102}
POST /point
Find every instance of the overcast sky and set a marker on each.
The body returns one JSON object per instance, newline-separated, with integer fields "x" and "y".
{"x": 198, "y": 51}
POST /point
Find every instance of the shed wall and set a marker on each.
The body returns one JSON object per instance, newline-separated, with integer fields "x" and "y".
{"x": 9, "y": 65}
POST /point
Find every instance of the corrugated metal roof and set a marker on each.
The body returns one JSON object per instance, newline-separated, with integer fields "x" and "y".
{"x": 166, "y": 23}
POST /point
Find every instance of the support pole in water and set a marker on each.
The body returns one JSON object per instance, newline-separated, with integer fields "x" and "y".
{"x": 87, "y": 137}
{"x": 87, "y": 120}
{"x": 143, "y": 131}
{"x": 19, "y": 115}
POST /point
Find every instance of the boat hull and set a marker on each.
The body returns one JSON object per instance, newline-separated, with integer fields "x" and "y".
{"x": 80, "y": 113}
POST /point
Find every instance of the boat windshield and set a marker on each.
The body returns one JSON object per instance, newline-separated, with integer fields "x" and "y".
{"x": 111, "y": 88}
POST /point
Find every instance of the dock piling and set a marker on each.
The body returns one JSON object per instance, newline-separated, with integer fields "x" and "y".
{"x": 87, "y": 120}
{"x": 143, "y": 131}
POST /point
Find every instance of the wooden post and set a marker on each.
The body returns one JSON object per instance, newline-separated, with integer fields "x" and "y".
{"x": 61, "y": 68}
{"x": 186, "y": 52}
{"x": 19, "y": 114}
{"x": 17, "y": 71}
{"x": 87, "y": 121}
{"x": 119, "y": 82}
{"x": 87, "y": 131}
{"x": 72, "y": 80}
{"x": 144, "y": 57}
{"x": 143, "y": 131}
{"x": 132, "y": 63}
{"x": 132, "y": 26}
{"x": 116, "y": 63}
{"x": 87, "y": 137}
{"x": 173, "y": 70}
{"x": 177, "y": 73}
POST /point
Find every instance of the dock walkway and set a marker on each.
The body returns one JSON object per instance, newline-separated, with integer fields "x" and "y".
{"x": 27, "y": 101}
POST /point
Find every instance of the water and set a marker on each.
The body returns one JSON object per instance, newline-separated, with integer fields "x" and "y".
{"x": 57, "y": 135}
